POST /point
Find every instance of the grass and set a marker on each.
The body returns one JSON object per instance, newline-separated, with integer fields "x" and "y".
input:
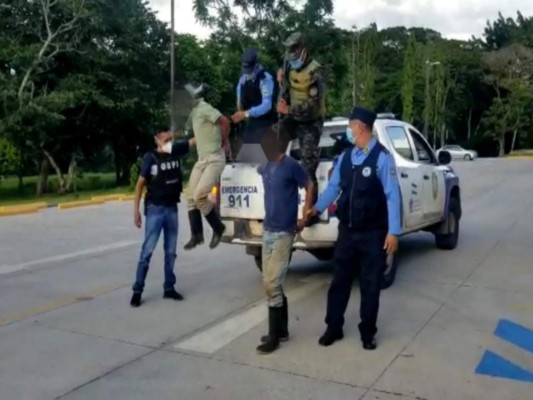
{"x": 86, "y": 186}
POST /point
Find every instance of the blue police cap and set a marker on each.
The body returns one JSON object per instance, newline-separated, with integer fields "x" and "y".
{"x": 364, "y": 115}
{"x": 249, "y": 61}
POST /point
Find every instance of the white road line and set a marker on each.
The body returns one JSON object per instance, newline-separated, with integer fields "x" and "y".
{"x": 214, "y": 338}
{"x": 6, "y": 269}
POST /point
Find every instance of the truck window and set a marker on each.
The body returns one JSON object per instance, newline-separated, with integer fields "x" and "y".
{"x": 400, "y": 141}
{"x": 423, "y": 151}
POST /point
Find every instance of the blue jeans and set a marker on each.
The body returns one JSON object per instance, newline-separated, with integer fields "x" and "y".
{"x": 276, "y": 254}
{"x": 158, "y": 218}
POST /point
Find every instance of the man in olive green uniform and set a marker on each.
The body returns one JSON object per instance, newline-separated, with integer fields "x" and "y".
{"x": 209, "y": 127}
{"x": 303, "y": 102}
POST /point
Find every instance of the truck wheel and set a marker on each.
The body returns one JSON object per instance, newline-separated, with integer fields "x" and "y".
{"x": 448, "y": 241}
{"x": 259, "y": 262}
{"x": 390, "y": 271}
{"x": 322, "y": 254}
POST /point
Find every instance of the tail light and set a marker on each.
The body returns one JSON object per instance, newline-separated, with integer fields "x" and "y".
{"x": 333, "y": 207}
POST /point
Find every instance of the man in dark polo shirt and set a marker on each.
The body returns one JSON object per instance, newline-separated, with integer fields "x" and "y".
{"x": 282, "y": 177}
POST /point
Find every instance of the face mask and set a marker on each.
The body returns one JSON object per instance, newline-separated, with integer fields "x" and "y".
{"x": 349, "y": 135}
{"x": 296, "y": 64}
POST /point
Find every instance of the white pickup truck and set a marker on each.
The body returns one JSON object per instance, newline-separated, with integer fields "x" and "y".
{"x": 431, "y": 199}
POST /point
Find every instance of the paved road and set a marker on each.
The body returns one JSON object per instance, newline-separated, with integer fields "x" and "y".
{"x": 67, "y": 331}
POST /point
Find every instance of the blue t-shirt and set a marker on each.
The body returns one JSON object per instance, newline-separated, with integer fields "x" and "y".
{"x": 281, "y": 181}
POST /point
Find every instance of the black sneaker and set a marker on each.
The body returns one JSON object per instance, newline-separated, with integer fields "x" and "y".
{"x": 370, "y": 344}
{"x": 135, "y": 300}
{"x": 329, "y": 337}
{"x": 172, "y": 294}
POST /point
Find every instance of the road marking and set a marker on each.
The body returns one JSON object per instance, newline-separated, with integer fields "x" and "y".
{"x": 6, "y": 269}
{"x": 214, "y": 338}
{"x": 496, "y": 366}
{"x": 516, "y": 334}
{"x": 59, "y": 304}
{"x": 492, "y": 364}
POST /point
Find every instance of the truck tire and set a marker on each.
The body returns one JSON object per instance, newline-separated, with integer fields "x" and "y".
{"x": 259, "y": 262}
{"x": 325, "y": 254}
{"x": 389, "y": 275}
{"x": 448, "y": 241}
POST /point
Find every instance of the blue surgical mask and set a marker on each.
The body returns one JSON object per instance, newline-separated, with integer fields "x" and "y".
{"x": 296, "y": 64}
{"x": 349, "y": 135}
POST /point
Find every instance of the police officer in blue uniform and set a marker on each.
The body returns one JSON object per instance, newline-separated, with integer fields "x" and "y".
{"x": 256, "y": 97}
{"x": 369, "y": 225}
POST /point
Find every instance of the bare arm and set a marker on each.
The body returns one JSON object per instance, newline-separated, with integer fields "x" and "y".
{"x": 141, "y": 182}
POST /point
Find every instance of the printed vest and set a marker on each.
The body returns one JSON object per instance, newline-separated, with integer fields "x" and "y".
{"x": 302, "y": 89}
{"x": 362, "y": 204}
{"x": 164, "y": 185}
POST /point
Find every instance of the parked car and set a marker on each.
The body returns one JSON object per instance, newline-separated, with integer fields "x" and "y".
{"x": 458, "y": 153}
{"x": 430, "y": 192}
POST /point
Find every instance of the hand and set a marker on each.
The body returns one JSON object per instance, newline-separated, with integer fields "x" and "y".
{"x": 238, "y": 117}
{"x": 283, "y": 108}
{"x": 281, "y": 76}
{"x": 310, "y": 213}
{"x": 391, "y": 244}
{"x": 137, "y": 220}
{"x": 192, "y": 142}
{"x": 301, "y": 225}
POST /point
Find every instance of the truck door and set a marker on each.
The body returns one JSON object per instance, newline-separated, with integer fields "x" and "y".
{"x": 409, "y": 176}
{"x": 433, "y": 179}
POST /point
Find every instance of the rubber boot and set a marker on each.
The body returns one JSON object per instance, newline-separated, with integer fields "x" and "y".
{"x": 217, "y": 226}
{"x": 283, "y": 333}
{"x": 274, "y": 324}
{"x": 197, "y": 231}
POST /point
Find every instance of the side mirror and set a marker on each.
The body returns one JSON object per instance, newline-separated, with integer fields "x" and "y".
{"x": 444, "y": 157}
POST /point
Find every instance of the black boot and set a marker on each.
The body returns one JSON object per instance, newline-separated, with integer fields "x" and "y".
{"x": 330, "y": 336}
{"x": 136, "y": 300}
{"x": 217, "y": 226}
{"x": 283, "y": 334}
{"x": 274, "y": 324}
{"x": 197, "y": 231}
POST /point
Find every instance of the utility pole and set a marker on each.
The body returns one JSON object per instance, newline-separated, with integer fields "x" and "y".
{"x": 429, "y": 64}
{"x": 172, "y": 69}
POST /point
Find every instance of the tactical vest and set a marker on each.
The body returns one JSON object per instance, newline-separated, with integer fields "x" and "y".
{"x": 164, "y": 187}
{"x": 251, "y": 95}
{"x": 301, "y": 88}
{"x": 362, "y": 205}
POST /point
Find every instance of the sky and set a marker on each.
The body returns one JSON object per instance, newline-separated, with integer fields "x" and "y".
{"x": 459, "y": 19}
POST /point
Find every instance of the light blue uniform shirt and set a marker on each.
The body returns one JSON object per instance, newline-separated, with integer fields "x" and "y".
{"x": 386, "y": 170}
{"x": 267, "y": 91}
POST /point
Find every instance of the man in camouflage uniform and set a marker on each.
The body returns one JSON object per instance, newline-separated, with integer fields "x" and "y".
{"x": 302, "y": 102}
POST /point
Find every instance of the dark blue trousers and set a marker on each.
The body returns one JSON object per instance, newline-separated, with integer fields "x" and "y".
{"x": 363, "y": 252}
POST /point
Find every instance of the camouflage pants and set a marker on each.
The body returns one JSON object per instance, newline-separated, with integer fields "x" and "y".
{"x": 308, "y": 135}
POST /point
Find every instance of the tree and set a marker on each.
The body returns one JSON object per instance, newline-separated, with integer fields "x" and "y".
{"x": 510, "y": 71}
{"x": 409, "y": 79}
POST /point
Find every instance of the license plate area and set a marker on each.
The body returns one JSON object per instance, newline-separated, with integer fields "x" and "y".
{"x": 256, "y": 228}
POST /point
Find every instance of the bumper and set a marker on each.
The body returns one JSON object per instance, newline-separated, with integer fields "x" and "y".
{"x": 249, "y": 233}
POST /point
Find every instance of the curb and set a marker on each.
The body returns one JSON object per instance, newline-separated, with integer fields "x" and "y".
{"x": 76, "y": 204}
{"x": 127, "y": 197}
{"x": 38, "y": 206}
{"x": 18, "y": 211}
{"x": 109, "y": 197}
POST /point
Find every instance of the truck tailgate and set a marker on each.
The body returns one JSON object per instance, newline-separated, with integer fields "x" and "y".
{"x": 242, "y": 193}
